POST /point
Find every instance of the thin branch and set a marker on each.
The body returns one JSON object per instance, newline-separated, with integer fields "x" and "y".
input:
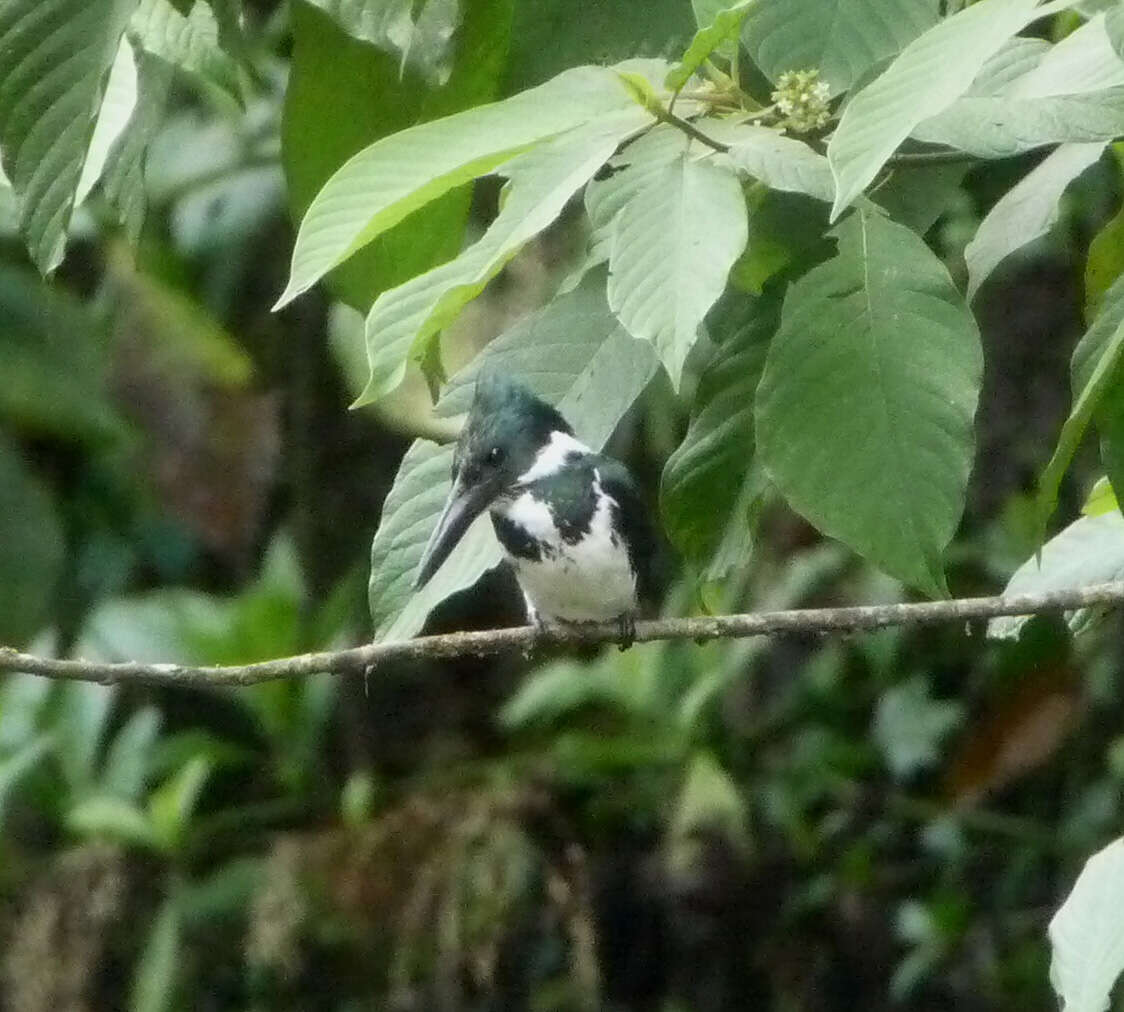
{"x": 690, "y": 129}
{"x": 368, "y": 659}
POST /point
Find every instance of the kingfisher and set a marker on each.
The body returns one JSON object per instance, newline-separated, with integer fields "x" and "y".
{"x": 571, "y": 522}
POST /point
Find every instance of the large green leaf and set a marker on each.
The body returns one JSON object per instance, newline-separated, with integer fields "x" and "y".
{"x": 383, "y": 183}
{"x": 31, "y": 549}
{"x": 574, "y": 354}
{"x": 1087, "y": 934}
{"x": 843, "y": 38}
{"x": 346, "y": 94}
{"x": 929, "y": 75}
{"x": 1088, "y": 551}
{"x": 55, "y": 57}
{"x": 1026, "y": 211}
{"x": 673, "y": 243}
{"x": 702, "y": 480}
{"x": 998, "y": 126}
{"x": 1096, "y": 366}
{"x": 865, "y": 407}
{"x": 406, "y": 320}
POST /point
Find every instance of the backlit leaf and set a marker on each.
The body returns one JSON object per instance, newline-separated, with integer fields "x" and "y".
{"x": 406, "y": 320}
{"x": 331, "y": 84}
{"x": 1088, "y": 551}
{"x": 1087, "y": 934}
{"x": 1026, "y": 211}
{"x": 383, "y": 183}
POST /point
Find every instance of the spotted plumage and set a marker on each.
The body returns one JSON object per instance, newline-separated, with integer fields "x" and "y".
{"x": 571, "y": 522}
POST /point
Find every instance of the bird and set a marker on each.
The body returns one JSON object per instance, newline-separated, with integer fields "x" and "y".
{"x": 572, "y": 523}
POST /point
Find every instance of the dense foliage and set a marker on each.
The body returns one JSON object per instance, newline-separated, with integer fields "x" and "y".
{"x": 846, "y": 291}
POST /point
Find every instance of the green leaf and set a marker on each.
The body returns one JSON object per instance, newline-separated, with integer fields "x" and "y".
{"x": 909, "y": 726}
{"x": 1105, "y": 262}
{"x": 124, "y": 179}
{"x": 383, "y": 183}
{"x": 189, "y": 43}
{"x": 1028, "y": 210}
{"x": 706, "y": 12}
{"x": 126, "y": 762}
{"x": 55, "y": 57}
{"x": 673, "y": 243}
{"x": 843, "y": 38}
{"x": 106, "y": 817}
{"x": 171, "y": 806}
{"x": 1088, "y": 551}
{"x": 709, "y": 803}
{"x": 422, "y": 44}
{"x": 1097, "y": 360}
{"x": 82, "y": 716}
{"x": 332, "y": 82}
{"x": 780, "y": 162}
{"x": 1100, "y": 500}
{"x": 865, "y": 409}
{"x": 156, "y": 976}
{"x": 1084, "y": 61}
{"x": 54, "y": 361}
{"x": 1000, "y": 126}
{"x": 930, "y": 74}
{"x": 1096, "y": 377}
{"x": 703, "y": 479}
{"x": 22, "y": 702}
{"x": 561, "y": 691}
{"x": 723, "y": 29}
{"x": 405, "y": 321}
{"x": 31, "y": 548}
{"x": 14, "y": 767}
{"x": 116, "y": 109}
{"x": 574, "y": 354}
{"x": 1087, "y": 934}
{"x": 551, "y": 36}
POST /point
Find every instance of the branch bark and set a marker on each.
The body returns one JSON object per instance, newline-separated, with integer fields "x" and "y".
{"x": 368, "y": 659}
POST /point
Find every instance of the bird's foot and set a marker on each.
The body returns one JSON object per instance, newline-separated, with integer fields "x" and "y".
{"x": 626, "y": 626}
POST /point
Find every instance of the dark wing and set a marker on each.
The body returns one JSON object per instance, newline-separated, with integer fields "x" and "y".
{"x": 634, "y": 518}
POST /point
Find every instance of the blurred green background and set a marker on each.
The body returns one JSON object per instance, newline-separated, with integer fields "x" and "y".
{"x": 870, "y": 822}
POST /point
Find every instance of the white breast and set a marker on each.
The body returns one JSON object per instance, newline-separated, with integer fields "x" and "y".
{"x": 591, "y": 581}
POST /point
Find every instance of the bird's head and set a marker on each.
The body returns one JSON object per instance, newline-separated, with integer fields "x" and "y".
{"x": 505, "y": 429}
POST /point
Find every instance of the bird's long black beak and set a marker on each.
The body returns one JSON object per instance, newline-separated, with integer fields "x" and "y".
{"x": 462, "y": 507}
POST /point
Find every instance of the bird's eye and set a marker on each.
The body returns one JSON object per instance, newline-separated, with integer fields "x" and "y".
{"x": 495, "y": 455}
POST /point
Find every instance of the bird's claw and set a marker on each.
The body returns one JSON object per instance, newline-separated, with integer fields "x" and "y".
{"x": 626, "y": 627}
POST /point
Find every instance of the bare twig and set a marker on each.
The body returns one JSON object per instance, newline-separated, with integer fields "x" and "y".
{"x": 369, "y": 658}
